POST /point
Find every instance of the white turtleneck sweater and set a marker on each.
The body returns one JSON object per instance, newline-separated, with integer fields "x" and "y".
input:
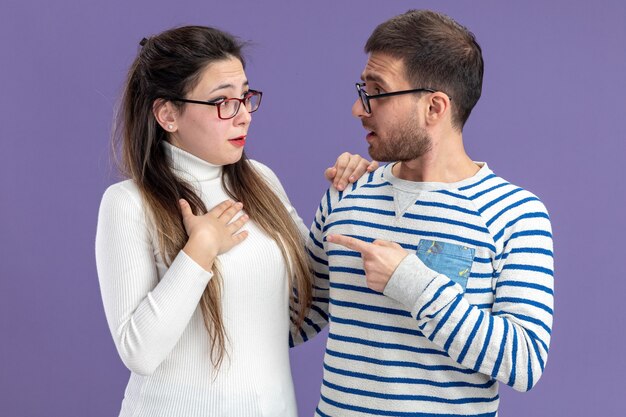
{"x": 157, "y": 324}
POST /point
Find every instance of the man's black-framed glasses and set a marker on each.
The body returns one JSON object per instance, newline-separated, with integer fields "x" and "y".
{"x": 229, "y": 107}
{"x": 365, "y": 97}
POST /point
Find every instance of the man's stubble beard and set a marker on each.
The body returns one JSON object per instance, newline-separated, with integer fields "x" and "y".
{"x": 403, "y": 143}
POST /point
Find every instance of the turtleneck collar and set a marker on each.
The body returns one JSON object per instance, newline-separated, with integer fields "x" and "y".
{"x": 190, "y": 167}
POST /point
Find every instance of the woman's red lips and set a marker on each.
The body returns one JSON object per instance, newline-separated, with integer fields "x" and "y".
{"x": 238, "y": 141}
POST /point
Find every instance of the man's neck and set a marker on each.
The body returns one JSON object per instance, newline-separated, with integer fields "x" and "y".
{"x": 446, "y": 162}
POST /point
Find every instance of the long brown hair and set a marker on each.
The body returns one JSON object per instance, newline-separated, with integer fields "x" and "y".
{"x": 169, "y": 65}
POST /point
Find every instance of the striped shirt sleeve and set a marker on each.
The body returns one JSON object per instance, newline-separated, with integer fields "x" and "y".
{"x": 317, "y": 317}
{"x": 508, "y": 340}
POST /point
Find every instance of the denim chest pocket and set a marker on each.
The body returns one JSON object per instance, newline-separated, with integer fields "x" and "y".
{"x": 453, "y": 261}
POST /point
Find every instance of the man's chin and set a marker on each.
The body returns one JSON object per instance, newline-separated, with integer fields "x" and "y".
{"x": 377, "y": 156}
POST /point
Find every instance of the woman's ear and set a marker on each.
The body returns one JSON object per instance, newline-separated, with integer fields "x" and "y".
{"x": 165, "y": 114}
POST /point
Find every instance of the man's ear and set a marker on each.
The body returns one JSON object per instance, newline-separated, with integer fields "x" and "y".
{"x": 439, "y": 107}
{"x": 165, "y": 114}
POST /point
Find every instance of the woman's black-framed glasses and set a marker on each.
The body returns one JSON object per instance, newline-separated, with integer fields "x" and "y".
{"x": 229, "y": 107}
{"x": 365, "y": 98}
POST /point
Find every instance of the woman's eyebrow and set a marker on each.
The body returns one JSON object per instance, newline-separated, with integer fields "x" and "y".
{"x": 228, "y": 85}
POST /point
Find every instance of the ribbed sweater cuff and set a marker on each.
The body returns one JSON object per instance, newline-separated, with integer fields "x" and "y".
{"x": 409, "y": 281}
{"x": 190, "y": 269}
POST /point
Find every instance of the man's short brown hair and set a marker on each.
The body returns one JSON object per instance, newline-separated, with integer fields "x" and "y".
{"x": 437, "y": 53}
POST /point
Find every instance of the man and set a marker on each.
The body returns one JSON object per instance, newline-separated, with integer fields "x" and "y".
{"x": 435, "y": 274}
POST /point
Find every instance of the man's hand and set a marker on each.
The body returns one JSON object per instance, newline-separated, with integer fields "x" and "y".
{"x": 348, "y": 168}
{"x": 380, "y": 258}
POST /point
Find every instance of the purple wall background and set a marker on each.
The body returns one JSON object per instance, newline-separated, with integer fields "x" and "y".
{"x": 550, "y": 119}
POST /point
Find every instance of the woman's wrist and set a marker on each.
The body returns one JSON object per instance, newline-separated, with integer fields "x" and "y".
{"x": 198, "y": 250}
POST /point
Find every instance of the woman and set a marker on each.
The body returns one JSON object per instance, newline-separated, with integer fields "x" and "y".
{"x": 200, "y": 339}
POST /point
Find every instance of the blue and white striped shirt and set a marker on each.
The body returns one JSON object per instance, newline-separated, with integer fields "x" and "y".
{"x": 471, "y": 305}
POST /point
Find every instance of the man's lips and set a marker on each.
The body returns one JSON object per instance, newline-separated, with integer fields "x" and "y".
{"x": 370, "y": 135}
{"x": 370, "y": 130}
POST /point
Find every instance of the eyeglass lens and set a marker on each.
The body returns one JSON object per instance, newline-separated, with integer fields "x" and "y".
{"x": 363, "y": 96}
{"x": 230, "y": 107}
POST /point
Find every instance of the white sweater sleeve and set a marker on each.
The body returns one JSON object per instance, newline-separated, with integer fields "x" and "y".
{"x": 146, "y": 316}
